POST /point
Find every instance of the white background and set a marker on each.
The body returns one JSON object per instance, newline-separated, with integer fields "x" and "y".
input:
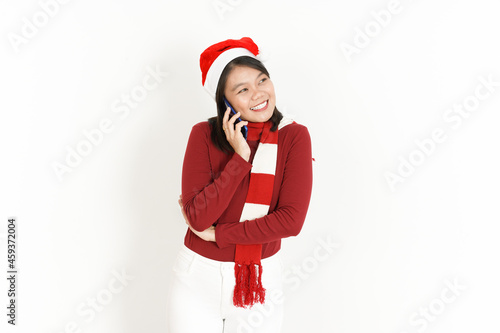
{"x": 116, "y": 211}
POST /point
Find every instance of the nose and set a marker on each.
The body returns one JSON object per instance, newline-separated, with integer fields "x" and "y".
{"x": 257, "y": 94}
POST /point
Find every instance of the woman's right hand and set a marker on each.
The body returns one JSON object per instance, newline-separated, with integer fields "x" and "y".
{"x": 234, "y": 135}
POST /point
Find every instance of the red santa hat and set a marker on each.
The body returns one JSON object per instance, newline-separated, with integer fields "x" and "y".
{"x": 215, "y": 58}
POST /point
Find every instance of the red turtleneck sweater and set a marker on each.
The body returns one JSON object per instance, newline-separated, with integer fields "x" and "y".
{"x": 215, "y": 184}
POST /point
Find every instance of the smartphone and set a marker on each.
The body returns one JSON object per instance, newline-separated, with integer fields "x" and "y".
{"x": 244, "y": 128}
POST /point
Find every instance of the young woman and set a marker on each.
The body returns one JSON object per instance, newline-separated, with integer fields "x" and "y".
{"x": 246, "y": 184}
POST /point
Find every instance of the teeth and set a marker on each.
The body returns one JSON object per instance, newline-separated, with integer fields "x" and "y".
{"x": 260, "y": 106}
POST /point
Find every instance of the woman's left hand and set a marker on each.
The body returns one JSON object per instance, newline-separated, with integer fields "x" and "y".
{"x": 207, "y": 234}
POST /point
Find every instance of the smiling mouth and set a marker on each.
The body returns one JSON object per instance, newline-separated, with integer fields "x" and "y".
{"x": 261, "y": 106}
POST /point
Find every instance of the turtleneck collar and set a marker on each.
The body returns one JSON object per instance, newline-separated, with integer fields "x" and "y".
{"x": 255, "y": 130}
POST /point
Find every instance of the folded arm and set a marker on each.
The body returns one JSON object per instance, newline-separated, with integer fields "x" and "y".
{"x": 294, "y": 197}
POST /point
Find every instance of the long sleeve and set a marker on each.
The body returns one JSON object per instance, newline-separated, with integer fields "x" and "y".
{"x": 204, "y": 196}
{"x": 288, "y": 217}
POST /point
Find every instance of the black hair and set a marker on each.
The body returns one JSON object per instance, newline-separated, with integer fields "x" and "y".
{"x": 217, "y": 134}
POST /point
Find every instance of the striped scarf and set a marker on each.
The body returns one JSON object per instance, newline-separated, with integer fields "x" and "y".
{"x": 248, "y": 269}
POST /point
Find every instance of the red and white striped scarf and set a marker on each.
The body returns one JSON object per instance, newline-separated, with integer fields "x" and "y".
{"x": 248, "y": 269}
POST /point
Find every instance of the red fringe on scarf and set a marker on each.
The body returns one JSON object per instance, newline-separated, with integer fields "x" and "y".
{"x": 248, "y": 290}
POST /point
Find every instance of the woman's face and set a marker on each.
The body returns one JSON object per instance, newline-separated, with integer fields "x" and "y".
{"x": 250, "y": 92}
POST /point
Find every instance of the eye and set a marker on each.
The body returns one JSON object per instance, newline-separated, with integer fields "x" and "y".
{"x": 244, "y": 89}
{"x": 264, "y": 79}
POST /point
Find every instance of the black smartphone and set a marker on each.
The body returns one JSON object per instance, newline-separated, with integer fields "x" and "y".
{"x": 244, "y": 128}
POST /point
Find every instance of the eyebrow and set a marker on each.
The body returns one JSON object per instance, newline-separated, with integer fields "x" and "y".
{"x": 242, "y": 83}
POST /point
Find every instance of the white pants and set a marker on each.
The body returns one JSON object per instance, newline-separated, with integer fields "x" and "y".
{"x": 201, "y": 297}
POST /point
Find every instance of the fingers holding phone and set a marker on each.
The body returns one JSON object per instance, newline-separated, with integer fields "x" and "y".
{"x": 234, "y": 135}
{"x": 244, "y": 128}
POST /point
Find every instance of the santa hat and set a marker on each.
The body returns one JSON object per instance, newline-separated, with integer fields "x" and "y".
{"x": 215, "y": 58}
